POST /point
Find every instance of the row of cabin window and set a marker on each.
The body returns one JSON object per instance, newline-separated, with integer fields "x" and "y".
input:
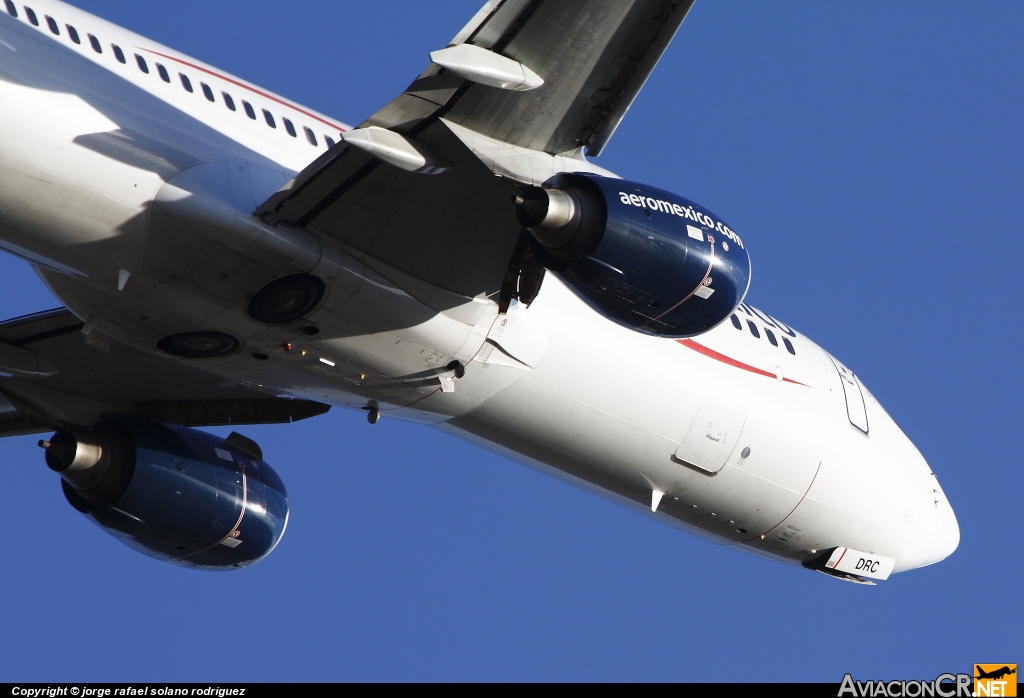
{"x": 771, "y": 335}
{"x": 229, "y": 102}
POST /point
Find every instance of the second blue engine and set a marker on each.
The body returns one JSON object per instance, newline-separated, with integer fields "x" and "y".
{"x": 643, "y": 257}
{"x": 176, "y": 494}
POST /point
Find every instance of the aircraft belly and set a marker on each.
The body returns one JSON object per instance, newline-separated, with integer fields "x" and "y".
{"x": 374, "y": 342}
{"x": 611, "y": 407}
{"x": 617, "y": 454}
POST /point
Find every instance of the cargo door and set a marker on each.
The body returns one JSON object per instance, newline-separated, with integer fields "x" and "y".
{"x": 713, "y": 435}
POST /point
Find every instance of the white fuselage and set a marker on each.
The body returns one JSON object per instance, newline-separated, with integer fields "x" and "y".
{"x": 115, "y": 177}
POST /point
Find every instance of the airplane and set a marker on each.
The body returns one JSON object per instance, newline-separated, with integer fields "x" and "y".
{"x": 226, "y": 256}
{"x": 996, "y": 674}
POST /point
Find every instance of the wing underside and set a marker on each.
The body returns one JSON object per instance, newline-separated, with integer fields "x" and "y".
{"x": 454, "y": 229}
{"x": 457, "y": 230}
{"x": 96, "y": 376}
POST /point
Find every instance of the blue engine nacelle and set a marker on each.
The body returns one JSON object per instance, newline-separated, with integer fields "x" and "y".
{"x": 177, "y": 494}
{"x": 647, "y": 259}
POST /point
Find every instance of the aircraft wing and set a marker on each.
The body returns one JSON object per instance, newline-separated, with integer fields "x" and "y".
{"x": 449, "y": 228}
{"x": 53, "y": 375}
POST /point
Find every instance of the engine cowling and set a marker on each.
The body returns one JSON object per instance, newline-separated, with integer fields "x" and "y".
{"x": 176, "y": 494}
{"x": 645, "y": 258}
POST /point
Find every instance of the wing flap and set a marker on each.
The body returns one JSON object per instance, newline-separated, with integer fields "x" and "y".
{"x": 450, "y": 230}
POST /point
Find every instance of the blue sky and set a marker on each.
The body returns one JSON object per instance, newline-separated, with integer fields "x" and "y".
{"x": 871, "y": 156}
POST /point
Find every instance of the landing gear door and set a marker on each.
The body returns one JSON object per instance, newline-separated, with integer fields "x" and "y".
{"x": 855, "y": 407}
{"x": 712, "y": 436}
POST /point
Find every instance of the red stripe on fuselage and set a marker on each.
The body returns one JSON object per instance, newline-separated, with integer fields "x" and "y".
{"x": 729, "y": 361}
{"x": 245, "y": 87}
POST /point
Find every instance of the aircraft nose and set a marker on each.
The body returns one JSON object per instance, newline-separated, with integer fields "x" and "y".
{"x": 912, "y": 521}
{"x": 949, "y": 530}
{"x": 939, "y": 533}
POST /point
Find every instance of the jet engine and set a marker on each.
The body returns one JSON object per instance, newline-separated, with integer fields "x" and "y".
{"x": 177, "y": 494}
{"x": 644, "y": 258}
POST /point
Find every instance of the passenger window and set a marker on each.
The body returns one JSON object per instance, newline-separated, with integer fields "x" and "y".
{"x": 31, "y": 16}
{"x": 142, "y": 63}
{"x": 118, "y": 53}
{"x": 771, "y": 337}
{"x": 289, "y": 127}
{"x": 228, "y": 102}
{"x": 330, "y": 141}
{"x": 270, "y": 119}
{"x": 789, "y": 346}
{"x": 11, "y": 9}
{"x": 310, "y": 136}
{"x": 163, "y": 73}
{"x": 185, "y": 82}
{"x": 73, "y": 33}
{"x": 736, "y": 322}
{"x": 207, "y": 92}
{"x": 249, "y": 111}
{"x": 753, "y": 329}
{"x": 95, "y": 44}
{"x": 52, "y": 23}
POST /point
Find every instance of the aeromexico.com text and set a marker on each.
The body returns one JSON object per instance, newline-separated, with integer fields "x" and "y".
{"x": 688, "y": 212}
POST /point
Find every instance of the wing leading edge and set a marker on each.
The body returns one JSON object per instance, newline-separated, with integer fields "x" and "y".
{"x": 594, "y": 56}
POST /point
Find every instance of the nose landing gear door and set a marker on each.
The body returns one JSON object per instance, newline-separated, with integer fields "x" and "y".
{"x": 855, "y": 407}
{"x": 712, "y": 436}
